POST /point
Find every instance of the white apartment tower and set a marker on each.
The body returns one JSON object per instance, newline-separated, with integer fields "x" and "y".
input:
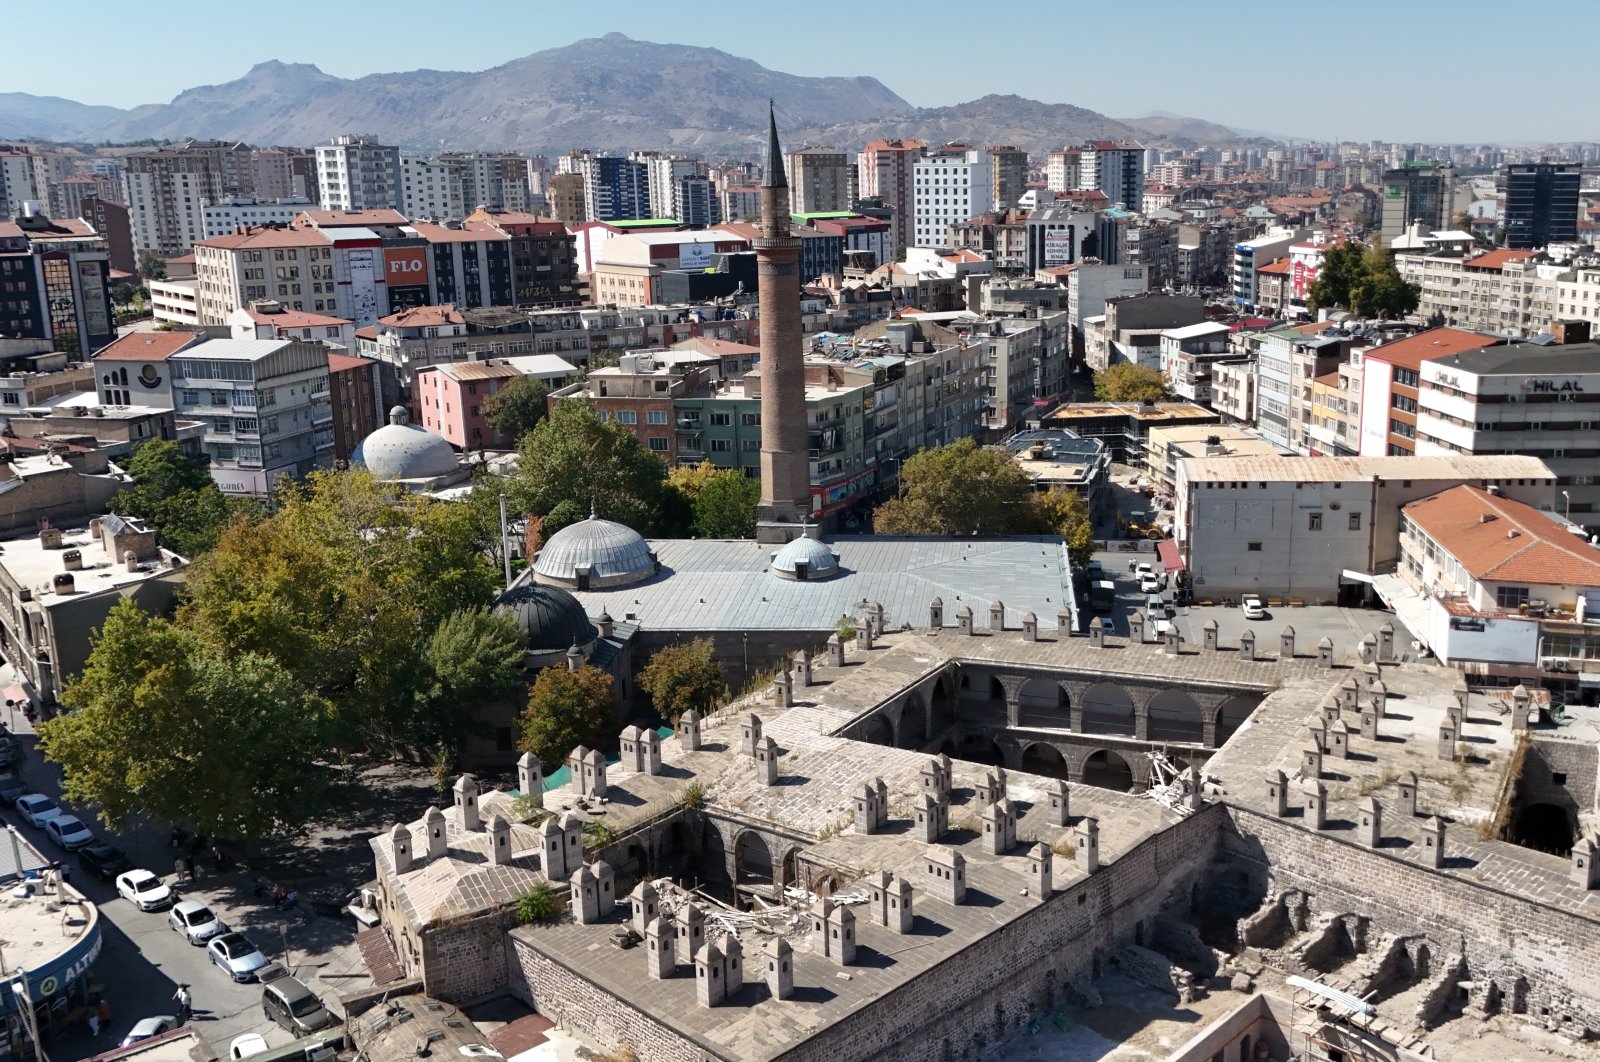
{"x": 358, "y": 173}
{"x": 819, "y": 180}
{"x": 952, "y": 184}
{"x": 431, "y": 189}
{"x": 662, "y": 175}
{"x": 1115, "y": 168}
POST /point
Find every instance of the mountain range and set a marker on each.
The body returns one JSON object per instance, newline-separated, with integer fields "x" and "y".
{"x": 607, "y": 92}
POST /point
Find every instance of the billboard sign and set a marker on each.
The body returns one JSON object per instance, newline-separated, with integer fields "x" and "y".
{"x": 405, "y": 265}
{"x": 696, "y": 255}
{"x": 1057, "y": 247}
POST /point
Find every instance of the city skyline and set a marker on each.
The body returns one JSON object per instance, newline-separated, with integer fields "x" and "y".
{"x": 1315, "y": 93}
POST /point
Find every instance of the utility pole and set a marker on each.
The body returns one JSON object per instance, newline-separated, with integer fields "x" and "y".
{"x": 505, "y": 540}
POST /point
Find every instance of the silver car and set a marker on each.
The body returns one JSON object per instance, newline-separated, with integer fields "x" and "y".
{"x": 195, "y": 921}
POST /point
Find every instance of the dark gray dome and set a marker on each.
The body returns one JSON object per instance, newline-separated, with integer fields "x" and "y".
{"x": 551, "y": 618}
{"x": 614, "y": 554}
{"x": 399, "y": 450}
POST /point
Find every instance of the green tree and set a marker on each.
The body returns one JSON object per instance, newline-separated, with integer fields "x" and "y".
{"x": 726, "y": 506}
{"x": 1065, "y": 513}
{"x": 960, "y": 489}
{"x": 516, "y": 408}
{"x": 567, "y": 709}
{"x": 681, "y": 677}
{"x": 1127, "y": 382}
{"x": 158, "y": 724}
{"x": 178, "y": 499}
{"x": 573, "y": 457}
{"x": 474, "y": 656}
{"x": 1382, "y": 291}
{"x": 152, "y": 266}
{"x": 1341, "y": 269}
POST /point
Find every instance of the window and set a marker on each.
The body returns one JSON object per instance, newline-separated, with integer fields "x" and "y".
{"x": 750, "y": 420}
{"x": 721, "y": 446}
{"x": 658, "y": 443}
{"x": 1252, "y": 547}
{"x": 721, "y": 420}
{"x": 656, "y": 416}
{"x": 1315, "y": 523}
{"x": 1355, "y": 521}
{"x": 1511, "y": 596}
{"x": 627, "y": 416}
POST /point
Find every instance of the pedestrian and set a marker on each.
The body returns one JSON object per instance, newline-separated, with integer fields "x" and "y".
{"x": 184, "y": 1003}
{"x": 102, "y": 1011}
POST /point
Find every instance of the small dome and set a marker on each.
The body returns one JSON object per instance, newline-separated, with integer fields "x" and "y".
{"x": 613, "y": 553}
{"x": 400, "y": 450}
{"x": 551, "y": 618}
{"x": 818, "y": 560}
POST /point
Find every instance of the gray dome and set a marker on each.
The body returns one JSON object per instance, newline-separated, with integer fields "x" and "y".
{"x": 399, "y": 450}
{"x": 613, "y": 553}
{"x": 820, "y": 561}
{"x": 552, "y": 619}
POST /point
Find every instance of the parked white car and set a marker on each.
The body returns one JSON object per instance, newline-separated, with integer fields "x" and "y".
{"x": 145, "y": 1028}
{"x": 37, "y": 810}
{"x": 244, "y": 1046}
{"x": 144, "y": 890}
{"x": 1253, "y": 608}
{"x": 197, "y": 922}
{"x": 68, "y": 832}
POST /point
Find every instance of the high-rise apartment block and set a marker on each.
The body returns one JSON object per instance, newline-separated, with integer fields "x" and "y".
{"x": 1541, "y": 205}
{"x": 1010, "y": 176}
{"x": 564, "y": 193}
{"x": 1416, "y": 193}
{"x": 886, "y": 171}
{"x": 358, "y": 173}
{"x": 662, "y": 174}
{"x": 53, "y": 283}
{"x": 168, "y": 187}
{"x": 614, "y": 188}
{"x": 818, "y": 180}
{"x": 495, "y": 180}
{"x": 1063, "y": 170}
{"x": 16, "y": 181}
{"x": 1115, "y": 168}
{"x": 953, "y": 183}
{"x": 431, "y": 189}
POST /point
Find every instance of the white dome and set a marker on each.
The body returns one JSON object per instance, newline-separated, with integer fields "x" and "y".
{"x": 613, "y": 553}
{"x": 820, "y": 561}
{"x": 399, "y": 450}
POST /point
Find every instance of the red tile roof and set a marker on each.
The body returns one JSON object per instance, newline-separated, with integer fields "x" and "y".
{"x": 422, "y": 316}
{"x": 1505, "y": 541}
{"x": 296, "y": 319}
{"x": 1411, "y": 352}
{"x": 267, "y": 237}
{"x": 1277, "y": 267}
{"x": 344, "y": 362}
{"x": 440, "y": 234}
{"x": 1496, "y": 258}
{"x": 146, "y": 346}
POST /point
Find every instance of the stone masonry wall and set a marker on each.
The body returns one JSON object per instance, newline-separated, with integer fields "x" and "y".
{"x": 1029, "y": 966}
{"x": 465, "y": 962}
{"x": 574, "y": 1003}
{"x": 1576, "y": 760}
{"x": 1544, "y": 959}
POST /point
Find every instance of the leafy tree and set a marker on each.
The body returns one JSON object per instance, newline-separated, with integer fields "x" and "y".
{"x": 573, "y": 457}
{"x": 1065, "y": 513}
{"x": 681, "y": 677}
{"x": 959, "y": 489}
{"x": 178, "y": 499}
{"x": 152, "y": 266}
{"x": 1127, "y": 382}
{"x": 567, "y": 709}
{"x": 160, "y": 724}
{"x": 1382, "y": 291}
{"x": 474, "y": 656}
{"x": 1341, "y": 269}
{"x": 725, "y": 505}
{"x": 689, "y": 480}
{"x": 516, "y": 408}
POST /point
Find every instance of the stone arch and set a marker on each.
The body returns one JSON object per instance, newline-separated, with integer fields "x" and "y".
{"x": 1042, "y": 702}
{"x": 1544, "y": 828}
{"x": 876, "y": 729}
{"x": 712, "y": 866}
{"x": 1176, "y": 716}
{"x": 1108, "y": 769}
{"x": 941, "y": 711}
{"x": 913, "y": 732}
{"x": 1232, "y": 713}
{"x": 673, "y": 850}
{"x": 752, "y": 859}
{"x": 980, "y": 748}
{"x": 1108, "y": 709}
{"x": 997, "y": 689}
{"x": 1043, "y": 758}
{"x": 791, "y": 864}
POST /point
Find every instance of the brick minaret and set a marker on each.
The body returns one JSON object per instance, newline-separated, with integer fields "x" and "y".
{"x": 785, "y": 469}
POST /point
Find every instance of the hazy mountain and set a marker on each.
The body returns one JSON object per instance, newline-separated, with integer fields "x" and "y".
{"x": 50, "y": 117}
{"x": 608, "y": 92}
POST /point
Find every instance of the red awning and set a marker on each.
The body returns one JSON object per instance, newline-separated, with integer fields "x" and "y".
{"x": 1167, "y": 551}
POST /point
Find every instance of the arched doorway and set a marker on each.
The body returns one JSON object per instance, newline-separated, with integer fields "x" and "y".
{"x": 913, "y": 723}
{"x": 1044, "y": 703}
{"x": 1107, "y": 709}
{"x": 980, "y": 749}
{"x": 1107, "y": 770}
{"x": 1544, "y": 828}
{"x": 875, "y": 730}
{"x": 711, "y": 869}
{"x": 1040, "y": 758}
{"x": 752, "y": 859}
{"x": 1232, "y": 713}
{"x": 1176, "y": 716}
{"x": 941, "y": 715}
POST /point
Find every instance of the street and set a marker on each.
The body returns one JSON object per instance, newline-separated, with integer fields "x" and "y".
{"x": 143, "y": 960}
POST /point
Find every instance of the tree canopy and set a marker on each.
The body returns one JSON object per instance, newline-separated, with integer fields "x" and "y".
{"x": 681, "y": 677}
{"x": 517, "y": 407}
{"x": 567, "y": 709}
{"x": 1127, "y": 382}
{"x": 1064, "y": 512}
{"x": 573, "y": 461}
{"x": 960, "y": 489}
{"x": 1363, "y": 280}
{"x": 178, "y": 499}
{"x": 721, "y": 501}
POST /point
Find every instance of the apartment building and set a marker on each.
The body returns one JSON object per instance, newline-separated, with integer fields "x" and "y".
{"x": 167, "y": 188}
{"x": 820, "y": 181}
{"x": 451, "y": 399}
{"x": 16, "y": 180}
{"x": 1063, "y": 170}
{"x": 1541, "y": 204}
{"x": 1288, "y": 362}
{"x": 1187, "y": 356}
{"x": 270, "y": 319}
{"x": 1233, "y": 389}
{"x": 952, "y": 184}
{"x": 431, "y": 189}
{"x": 886, "y": 170}
{"x": 358, "y": 173}
{"x": 1130, "y": 329}
{"x": 1115, "y": 168}
{"x": 265, "y": 405}
{"x": 1334, "y": 426}
{"x": 614, "y": 188}
{"x": 1520, "y": 398}
{"x": 1417, "y": 192}
{"x": 496, "y": 180}
{"x": 294, "y": 267}
{"x": 1010, "y": 169}
{"x": 564, "y": 192}
{"x": 1059, "y": 236}
{"x": 1250, "y": 255}
{"x": 1025, "y": 368}
{"x": 1390, "y": 374}
{"x": 355, "y": 399}
{"x": 54, "y": 283}
{"x": 231, "y": 213}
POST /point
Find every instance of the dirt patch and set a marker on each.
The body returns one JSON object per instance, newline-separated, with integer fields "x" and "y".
{"x": 1134, "y": 1023}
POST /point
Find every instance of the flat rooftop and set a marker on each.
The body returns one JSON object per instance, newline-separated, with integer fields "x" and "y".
{"x": 33, "y": 566}
{"x": 43, "y": 926}
{"x": 711, "y": 584}
{"x": 1359, "y": 469}
{"x": 1523, "y": 359}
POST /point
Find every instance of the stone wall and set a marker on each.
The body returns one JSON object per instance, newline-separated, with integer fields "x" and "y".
{"x": 1542, "y": 961}
{"x": 465, "y": 961}
{"x": 1546, "y": 760}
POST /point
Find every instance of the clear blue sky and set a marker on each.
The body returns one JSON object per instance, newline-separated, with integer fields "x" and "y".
{"x": 1362, "y": 69}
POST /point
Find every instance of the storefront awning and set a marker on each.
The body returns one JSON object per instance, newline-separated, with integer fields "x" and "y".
{"x": 1167, "y": 552}
{"x": 14, "y": 695}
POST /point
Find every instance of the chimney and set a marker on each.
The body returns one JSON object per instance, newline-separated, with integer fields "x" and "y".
{"x": 400, "y": 848}
{"x": 130, "y": 560}
{"x": 466, "y": 791}
{"x": 499, "y": 840}
{"x": 72, "y": 560}
{"x": 433, "y": 823}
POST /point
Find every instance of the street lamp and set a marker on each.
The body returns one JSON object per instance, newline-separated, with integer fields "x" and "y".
{"x": 1567, "y": 513}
